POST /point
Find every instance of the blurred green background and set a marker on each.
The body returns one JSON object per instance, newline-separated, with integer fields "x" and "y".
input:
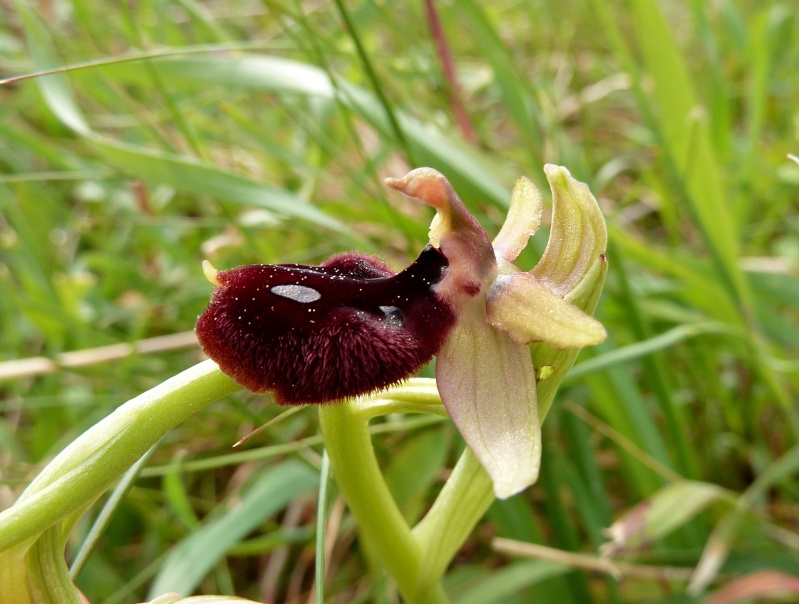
{"x": 251, "y": 131}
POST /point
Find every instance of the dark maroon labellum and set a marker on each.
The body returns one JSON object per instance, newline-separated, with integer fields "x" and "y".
{"x": 315, "y": 334}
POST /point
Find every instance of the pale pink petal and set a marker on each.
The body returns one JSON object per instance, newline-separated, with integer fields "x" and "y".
{"x": 530, "y": 312}
{"x": 487, "y": 384}
{"x": 522, "y": 221}
{"x": 456, "y": 233}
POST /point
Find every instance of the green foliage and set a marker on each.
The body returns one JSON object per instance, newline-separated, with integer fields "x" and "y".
{"x": 260, "y": 132}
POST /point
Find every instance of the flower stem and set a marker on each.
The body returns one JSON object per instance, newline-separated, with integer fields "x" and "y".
{"x": 87, "y": 467}
{"x": 347, "y": 440}
{"x": 464, "y": 499}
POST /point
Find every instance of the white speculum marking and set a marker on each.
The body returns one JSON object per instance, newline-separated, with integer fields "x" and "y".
{"x": 298, "y": 293}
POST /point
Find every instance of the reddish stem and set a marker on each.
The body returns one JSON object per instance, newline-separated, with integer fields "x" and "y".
{"x": 447, "y": 64}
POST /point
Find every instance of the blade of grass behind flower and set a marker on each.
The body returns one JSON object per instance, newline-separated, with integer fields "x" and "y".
{"x": 107, "y": 513}
{"x": 593, "y": 497}
{"x": 55, "y": 89}
{"x": 516, "y": 95}
{"x": 176, "y": 494}
{"x": 564, "y": 530}
{"x": 321, "y": 530}
{"x": 34, "y": 211}
{"x": 584, "y": 479}
{"x": 414, "y": 468}
{"x": 677, "y": 118}
{"x": 656, "y": 373}
{"x": 698, "y": 286}
{"x": 191, "y": 559}
{"x": 363, "y": 169}
{"x": 660, "y": 342}
{"x": 514, "y": 519}
{"x": 766, "y": 32}
{"x": 716, "y": 48}
{"x": 202, "y": 178}
{"x": 181, "y": 172}
{"x": 177, "y": 117}
{"x": 474, "y": 175}
{"x": 685, "y": 134}
{"x": 377, "y": 85}
{"x": 773, "y": 291}
{"x": 727, "y": 529}
{"x": 616, "y": 397}
{"x": 501, "y": 585}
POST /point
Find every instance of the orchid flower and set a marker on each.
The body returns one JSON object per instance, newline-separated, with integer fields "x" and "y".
{"x": 352, "y": 325}
{"x": 484, "y": 370}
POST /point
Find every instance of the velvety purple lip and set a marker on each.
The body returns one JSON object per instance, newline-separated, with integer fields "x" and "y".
{"x": 315, "y": 334}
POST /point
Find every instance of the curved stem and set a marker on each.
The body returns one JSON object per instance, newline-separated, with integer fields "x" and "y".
{"x": 87, "y": 467}
{"x": 466, "y": 496}
{"x": 348, "y": 443}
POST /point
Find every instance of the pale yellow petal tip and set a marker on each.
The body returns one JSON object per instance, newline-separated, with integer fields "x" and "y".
{"x": 211, "y": 273}
{"x": 511, "y": 484}
{"x": 552, "y": 170}
{"x": 521, "y": 222}
{"x": 559, "y": 175}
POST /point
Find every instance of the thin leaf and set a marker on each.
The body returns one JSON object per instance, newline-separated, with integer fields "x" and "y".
{"x": 499, "y": 585}
{"x": 195, "y": 556}
{"x": 201, "y": 178}
{"x": 666, "y": 510}
{"x": 55, "y": 88}
{"x": 472, "y": 175}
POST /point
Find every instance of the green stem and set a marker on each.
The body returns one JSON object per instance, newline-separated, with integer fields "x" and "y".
{"x": 347, "y": 440}
{"x": 87, "y": 467}
{"x": 48, "y": 576}
{"x": 464, "y": 499}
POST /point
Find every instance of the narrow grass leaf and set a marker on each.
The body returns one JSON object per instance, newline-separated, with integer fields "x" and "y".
{"x": 55, "y": 88}
{"x": 686, "y": 135}
{"x": 414, "y": 467}
{"x": 195, "y": 556}
{"x": 510, "y": 81}
{"x": 665, "y": 340}
{"x": 177, "y": 496}
{"x": 107, "y": 513}
{"x": 321, "y": 529}
{"x": 473, "y": 175}
{"x": 619, "y": 400}
{"x": 760, "y": 586}
{"x": 500, "y": 585}
{"x": 666, "y": 510}
{"x": 720, "y": 541}
{"x": 201, "y": 178}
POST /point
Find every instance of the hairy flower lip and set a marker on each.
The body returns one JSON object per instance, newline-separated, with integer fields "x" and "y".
{"x": 317, "y": 334}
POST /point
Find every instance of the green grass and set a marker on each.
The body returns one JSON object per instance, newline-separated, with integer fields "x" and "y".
{"x": 260, "y": 132}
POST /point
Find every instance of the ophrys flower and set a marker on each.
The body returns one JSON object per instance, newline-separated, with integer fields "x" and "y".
{"x": 317, "y": 334}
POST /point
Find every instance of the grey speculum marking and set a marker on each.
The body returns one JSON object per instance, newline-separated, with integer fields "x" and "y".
{"x": 394, "y": 316}
{"x": 298, "y": 293}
